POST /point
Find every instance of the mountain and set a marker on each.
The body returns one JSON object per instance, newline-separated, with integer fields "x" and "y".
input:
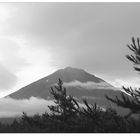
{"x": 78, "y": 83}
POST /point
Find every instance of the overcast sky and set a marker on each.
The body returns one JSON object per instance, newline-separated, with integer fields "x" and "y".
{"x": 38, "y": 38}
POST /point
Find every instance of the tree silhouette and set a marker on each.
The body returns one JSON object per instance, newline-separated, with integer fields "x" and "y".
{"x": 66, "y": 105}
{"x": 132, "y": 103}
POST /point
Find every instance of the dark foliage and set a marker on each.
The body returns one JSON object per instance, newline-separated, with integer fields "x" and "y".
{"x": 66, "y": 105}
{"x": 67, "y": 116}
{"x": 131, "y": 100}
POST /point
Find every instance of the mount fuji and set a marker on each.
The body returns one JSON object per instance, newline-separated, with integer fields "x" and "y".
{"x": 78, "y": 82}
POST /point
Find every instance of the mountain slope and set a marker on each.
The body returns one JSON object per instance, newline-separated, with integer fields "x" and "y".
{"x": 78, "y": 83}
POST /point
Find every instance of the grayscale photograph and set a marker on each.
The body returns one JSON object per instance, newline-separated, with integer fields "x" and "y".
{"x": 69, "y": 67}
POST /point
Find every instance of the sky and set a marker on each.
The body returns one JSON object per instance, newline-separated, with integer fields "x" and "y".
{"x": 36, "y": 39}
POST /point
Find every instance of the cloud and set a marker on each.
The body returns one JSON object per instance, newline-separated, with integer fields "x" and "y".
{"x": 82, "y": 35}
{"x": 10, "y": 107}
{"x": 89, "y": 85}
{"x": 11, "y": 62}
{"x": 127, "y": 82}
{"x": 77, "y": 34}
{"x": 7, "y": 78}
{"x": 21, "y": 64}
{"x": 10, "y": 55}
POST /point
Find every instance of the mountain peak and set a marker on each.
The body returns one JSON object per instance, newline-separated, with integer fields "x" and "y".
{"x": 68, "y": 75}
{"x": 73, "y": 69}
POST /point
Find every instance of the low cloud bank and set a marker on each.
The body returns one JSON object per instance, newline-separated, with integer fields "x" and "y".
{"x": 10, "y": 107}
{"x": 89, "y": 85}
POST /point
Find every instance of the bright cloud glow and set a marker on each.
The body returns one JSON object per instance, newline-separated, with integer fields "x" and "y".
{"x": 4, "y": 14}
{"x": 133, "y": 82}
{"x": 14, "y": 108}
{"x": 11, "y": 108}
{"x": 26, "y": 63}
{"x": 89, "y": 85}
{"x": 39, "y": 60}
{"x": 7, "y": 12}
